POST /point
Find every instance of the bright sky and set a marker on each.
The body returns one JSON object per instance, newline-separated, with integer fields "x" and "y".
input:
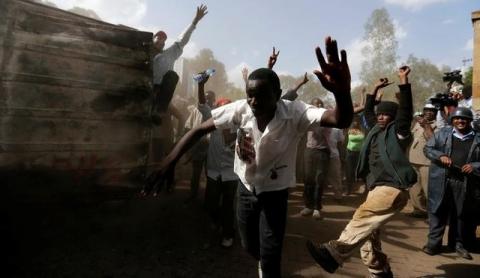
{"x": 242, "y": 32}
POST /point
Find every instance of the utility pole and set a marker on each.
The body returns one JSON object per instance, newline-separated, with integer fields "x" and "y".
{"x": 465, "y": 61}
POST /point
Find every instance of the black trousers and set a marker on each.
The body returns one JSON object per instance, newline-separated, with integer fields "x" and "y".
{"x": 316, "y": 171}
{"x": 351, "y": 161}
{"x": 261, "y": 223}
{"x": 447, "y": 213}
{"x": 219, "y": 198}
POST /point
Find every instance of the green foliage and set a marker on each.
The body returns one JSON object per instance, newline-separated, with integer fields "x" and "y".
{"x": 468, "y": 77}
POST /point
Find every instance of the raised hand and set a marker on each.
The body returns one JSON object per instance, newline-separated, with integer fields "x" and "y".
{"x": 273, "y": 58}
{"x": 403, "y": 74}
{"x": 334, "y": 73}
{"x": 305, "y": 79}
{"x": 201, "y": 12}
{"x": 382, "y": 83}
{"x": 245, "y": 74}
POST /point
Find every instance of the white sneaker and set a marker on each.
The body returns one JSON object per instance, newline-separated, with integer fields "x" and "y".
{"x": 317, "y": 215}
{"x": 227, "y": 242}
{"x": 306, "y": 212}
{"x": 260, "y": 274}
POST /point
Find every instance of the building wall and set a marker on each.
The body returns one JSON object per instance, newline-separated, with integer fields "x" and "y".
{"x": 476, "y": 59}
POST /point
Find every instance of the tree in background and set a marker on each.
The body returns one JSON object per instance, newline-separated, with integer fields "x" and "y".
{"x": 205, "y": 59}
{"x": 468, "y": 77}
{"x": 308, "y": 91}
{"x": 426, "y": 81}
{"x": 380, "y": 51}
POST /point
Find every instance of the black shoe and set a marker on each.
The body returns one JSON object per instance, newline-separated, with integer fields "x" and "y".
{"x": 430, "y": 251}
{"x": 387, "y": 274}
{"x": 321, "y": 255}
{"x": 462, "y": 252}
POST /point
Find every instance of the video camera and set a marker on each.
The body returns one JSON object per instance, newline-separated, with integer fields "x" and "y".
{"x": 441, "y": 100}
{"x": 453, "y": 76}
{"x": 446, "y": 99}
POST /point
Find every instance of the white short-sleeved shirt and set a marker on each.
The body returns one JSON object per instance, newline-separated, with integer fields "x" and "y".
{"x": 275, "y": 148}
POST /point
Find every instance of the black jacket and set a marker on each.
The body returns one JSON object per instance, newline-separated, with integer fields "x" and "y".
{"x": 393, "y": 145}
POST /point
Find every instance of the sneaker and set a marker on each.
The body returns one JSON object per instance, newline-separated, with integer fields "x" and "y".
{"x": 306, "y": 212}
{"x": 260, "y": 273}
{"x": 322, "y": 257}
{"x": 317, "y": 215}
{"x": 227, "y": 242}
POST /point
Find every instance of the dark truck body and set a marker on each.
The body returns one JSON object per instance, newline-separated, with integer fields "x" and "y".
{"x": 75, "y": 101}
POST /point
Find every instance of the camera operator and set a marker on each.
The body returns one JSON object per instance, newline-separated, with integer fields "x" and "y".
{"x": 456, "y": 95}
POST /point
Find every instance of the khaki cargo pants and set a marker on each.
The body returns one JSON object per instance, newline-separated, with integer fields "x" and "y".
{"x": 382, "y": 203}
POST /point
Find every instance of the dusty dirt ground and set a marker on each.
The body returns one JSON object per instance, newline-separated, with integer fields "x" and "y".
{"x": 163, "y": 237}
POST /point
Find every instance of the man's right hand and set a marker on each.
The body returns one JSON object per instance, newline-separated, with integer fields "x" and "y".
{"x": 446, "y": 161}
{"x": 155, "y": 181}
{"x": 382, "y": 83}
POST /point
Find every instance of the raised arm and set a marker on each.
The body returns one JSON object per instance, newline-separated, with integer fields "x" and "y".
{"x": 272, "y": 60}
{"x": 334, "y": 75}
{"x": 201, "y": 91}
{"x": 245, "y": 75}
{"x": 405, "y": 107}
{"x": 371, "y": 101}
{"x": 185, "y": 36}
{"x": 361, "y": 106}
{"x": 292, "y": 93}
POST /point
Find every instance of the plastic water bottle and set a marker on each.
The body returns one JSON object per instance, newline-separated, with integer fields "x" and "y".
{"x": 201, "y": 76}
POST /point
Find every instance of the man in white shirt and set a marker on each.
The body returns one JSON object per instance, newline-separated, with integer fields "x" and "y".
{"x": 269, "y": 129}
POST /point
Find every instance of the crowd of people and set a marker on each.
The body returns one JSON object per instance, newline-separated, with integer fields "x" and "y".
{"x": 248, "y": 148}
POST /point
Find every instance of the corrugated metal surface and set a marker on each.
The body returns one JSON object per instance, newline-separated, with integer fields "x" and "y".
{"x": 74, "y": 95}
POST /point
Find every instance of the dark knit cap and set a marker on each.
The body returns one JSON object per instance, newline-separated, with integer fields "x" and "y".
{"x": 387, "y": 107}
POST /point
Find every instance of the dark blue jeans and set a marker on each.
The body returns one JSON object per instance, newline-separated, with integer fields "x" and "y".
{"x": 261, "y": 223}
{"x": 316, "y": 171}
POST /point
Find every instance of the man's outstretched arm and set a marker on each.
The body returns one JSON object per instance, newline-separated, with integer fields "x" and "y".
{"x": 165, "y": 172}
{"x": 185, "y": 36}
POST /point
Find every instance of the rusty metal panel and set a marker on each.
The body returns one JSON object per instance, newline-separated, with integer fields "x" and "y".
{"x": 75, "y": 95}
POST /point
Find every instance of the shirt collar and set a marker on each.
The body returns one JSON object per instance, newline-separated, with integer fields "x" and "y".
{"x": 463, "y": 137}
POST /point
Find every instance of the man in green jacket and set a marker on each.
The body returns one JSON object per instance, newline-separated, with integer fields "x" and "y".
{"x": 384, "y": 165}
